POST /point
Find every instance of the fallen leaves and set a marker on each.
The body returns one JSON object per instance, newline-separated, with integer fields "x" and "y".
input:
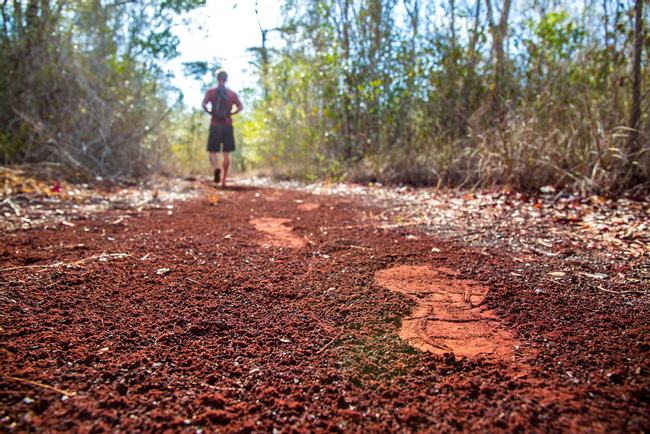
{"x": 552, "y": 222}
{"x": 27, "y": 202}
{"x": 13, "y": 206}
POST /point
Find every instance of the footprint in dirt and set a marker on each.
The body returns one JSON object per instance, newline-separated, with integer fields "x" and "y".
{"x": 308, "y": 206}
{"x": 449, "y": 316}
{"x": 279, "y": 232}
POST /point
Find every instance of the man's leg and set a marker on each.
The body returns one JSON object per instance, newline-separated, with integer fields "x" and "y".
{"x": 214, "y": 159}
{"x": 226, "y": 166}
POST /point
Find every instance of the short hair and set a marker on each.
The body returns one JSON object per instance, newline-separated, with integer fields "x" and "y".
{"x": 222, "y": 75}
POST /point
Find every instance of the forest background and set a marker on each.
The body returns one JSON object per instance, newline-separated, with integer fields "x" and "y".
{"x": 464, "y": 93}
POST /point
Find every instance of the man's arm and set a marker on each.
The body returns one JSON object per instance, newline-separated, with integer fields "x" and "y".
{"x": 238, "y": 108}
{"x": 206, "y": 100}
{"x": 238, "y": 105}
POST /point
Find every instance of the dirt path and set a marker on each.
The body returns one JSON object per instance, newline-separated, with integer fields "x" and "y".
{"x": 265, "y": 310}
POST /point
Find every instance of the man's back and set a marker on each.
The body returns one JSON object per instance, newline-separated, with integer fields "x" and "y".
{"x": 233, "y": 99}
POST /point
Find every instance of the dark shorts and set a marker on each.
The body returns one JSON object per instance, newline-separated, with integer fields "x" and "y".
{"x": 221, "y": 134}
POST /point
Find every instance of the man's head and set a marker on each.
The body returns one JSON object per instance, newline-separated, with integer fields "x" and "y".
{"x": 222, "y": 76}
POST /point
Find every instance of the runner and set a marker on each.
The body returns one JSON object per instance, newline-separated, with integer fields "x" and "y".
{"x": 221, "y": 130}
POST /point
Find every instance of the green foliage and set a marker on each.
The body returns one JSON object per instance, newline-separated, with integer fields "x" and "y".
{"x": 361, "y": 92}
{"x": 82, "y": 83}
{"x": 196, "y": 70}
{"x": 188, "y": 139}
{"x": 180, "y": 6}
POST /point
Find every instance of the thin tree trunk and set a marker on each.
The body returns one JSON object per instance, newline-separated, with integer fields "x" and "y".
{"x": 606, "y": 24}
{"x": 18, "y": 19}
{"x": 347, "y": 86}
{"x": 636, "y": 68}
{"x": 474, "y": 38}
{"x": 413, "y": 14}
{"x": 32, "y": 13}
{"x": 265, "y": 57}
{"x": 472, "y": 57}
{"x": 453, "y": 24}
{"x": 499, "y": 35}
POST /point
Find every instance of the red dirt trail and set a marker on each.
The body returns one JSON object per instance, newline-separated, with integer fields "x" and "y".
{"x": 264, "y": 310}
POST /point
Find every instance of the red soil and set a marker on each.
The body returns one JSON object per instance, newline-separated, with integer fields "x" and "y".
{"x": 260, "y": 310}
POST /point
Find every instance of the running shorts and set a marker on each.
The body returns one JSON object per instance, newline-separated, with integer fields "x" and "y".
{"x": 221, "y": 135}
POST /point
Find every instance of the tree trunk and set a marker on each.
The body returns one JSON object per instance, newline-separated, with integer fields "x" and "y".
{"x": 413, "y": 12}
{"x": 471, "y": 61}
{"x": 32, "y": 13}
{"x": 474, "y": 38}
{"x": 499, "y": 35}
{"x": 452, "y": 5}
{"x": 18, "y": 20}
{"x": 636, "y": 71}
{"x": 265, "y": 57}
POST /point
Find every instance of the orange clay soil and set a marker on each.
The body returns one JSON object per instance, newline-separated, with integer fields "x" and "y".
{"x": 258, "y": 310}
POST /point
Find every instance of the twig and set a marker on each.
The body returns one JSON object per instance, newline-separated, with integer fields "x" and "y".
{"x": 322, "y": 228}
{"x": 372, "y": 220}
{"x": 58, "y": 264}
{"x": 70, "y": 264}
{"x": 45, "y": 386}
{"x": 332, "y": 341}
{"x": 221, "y": 388}
{"x": 399, "y": 225}
{"x": 632, "y": 291}
{"x": 435, "y": 193}
{"x": 542, "y": 252}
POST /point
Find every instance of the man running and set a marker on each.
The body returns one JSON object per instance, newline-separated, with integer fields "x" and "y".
{"x": 221, "y": 130}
